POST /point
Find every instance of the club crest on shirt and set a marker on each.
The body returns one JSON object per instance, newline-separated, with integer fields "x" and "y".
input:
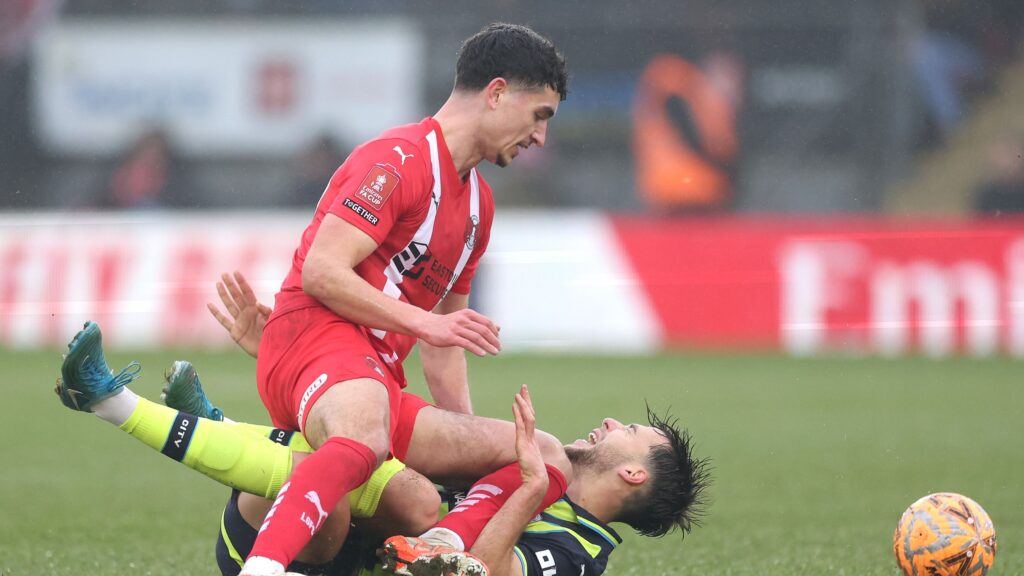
{"x": 378, "y": 186}
{"x": 472, "y": 231}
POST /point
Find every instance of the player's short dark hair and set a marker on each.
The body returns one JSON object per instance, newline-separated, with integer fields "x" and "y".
{"x": 676, "y": 493}
{"x": 513, "y": 52}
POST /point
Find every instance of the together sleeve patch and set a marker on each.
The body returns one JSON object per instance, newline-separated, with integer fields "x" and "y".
{"x": 359, "y": 209}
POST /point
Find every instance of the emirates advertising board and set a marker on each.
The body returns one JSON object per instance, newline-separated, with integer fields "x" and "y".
{"x": 846, "y": 285}
{"x": 559, "y": 280}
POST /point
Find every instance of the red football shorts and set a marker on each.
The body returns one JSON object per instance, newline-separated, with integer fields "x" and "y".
{"x": 304, "y": 352}
{"x": 410, "y": 408}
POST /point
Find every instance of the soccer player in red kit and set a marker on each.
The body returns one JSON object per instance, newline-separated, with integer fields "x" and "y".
{"x": 388, "y": 260}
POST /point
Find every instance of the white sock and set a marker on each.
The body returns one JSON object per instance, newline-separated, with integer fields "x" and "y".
{"x": 260, "y": 566}
{"x": 444, "y": 537}
{"x": 117, "y": 408}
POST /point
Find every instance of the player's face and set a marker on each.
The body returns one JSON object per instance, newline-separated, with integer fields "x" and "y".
{"x": 615, "y": 437}
{"x": 520, "y": 121}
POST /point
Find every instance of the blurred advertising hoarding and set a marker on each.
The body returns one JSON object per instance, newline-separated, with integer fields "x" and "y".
{"x": 146, "y": 278}
{"x": 559, "y": 280}
{"x": 223, "y": 88}
{"x": 852, "y": 285}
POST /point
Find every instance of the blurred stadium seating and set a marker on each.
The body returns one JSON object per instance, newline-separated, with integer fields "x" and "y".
{"x": 829, "y": 114}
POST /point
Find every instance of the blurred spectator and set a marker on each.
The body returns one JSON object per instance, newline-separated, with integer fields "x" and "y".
{"x": 148, "y": 175}
{"x": 948, "y": 61}
{"x": 1004, "y": 193}
{"x": 684, "y": 132}
{"x": 313, "y": 169}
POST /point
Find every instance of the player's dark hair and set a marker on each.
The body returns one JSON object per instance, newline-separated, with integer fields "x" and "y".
{"x": 676, "y": 493}
{"x": 513, "y": 52}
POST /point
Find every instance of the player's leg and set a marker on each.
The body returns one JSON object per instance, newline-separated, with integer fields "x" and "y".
{"x": 458, "y": 449}
{"x": 335, "y": 418}
{"x": 248, "y": 457}
{"x": 451, "y": 448}
{"x": 396, "y": 500}
{"x": 318, "y": 374}
{"x": 239, "y": 527}
{"x": 348, "y": 424}
{"x": 228, "y": 454}
{"x": 407, "y": 504}
{"x": 184, "y": 392}
{"x": 252, "y": 458}
{"x": 407, "y": 554}
{"x": 238, "y": 530}
{"x": 234, "y": 539}
{"x": 461, "y": 527}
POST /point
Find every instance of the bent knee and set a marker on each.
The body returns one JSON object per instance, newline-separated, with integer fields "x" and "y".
{"x": 410, "y": 503}
{"x": 424, "y": 514}
{"x": 418, "y": 515}
{"x": 380, "y": 448}
{"x": 377, "y": 444}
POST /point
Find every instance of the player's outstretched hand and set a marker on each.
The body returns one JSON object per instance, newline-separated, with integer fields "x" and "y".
{"x": 465, "y": 328}
{"x": 531, "y": 463}
{"x": 248, "y": 315}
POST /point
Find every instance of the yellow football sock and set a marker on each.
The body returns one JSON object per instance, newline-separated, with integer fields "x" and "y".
{"x": 294, "y": 440}
{"x": 249, "y": 457}
{"x": 227, "y": 452}
{"x": 363, "y": 500}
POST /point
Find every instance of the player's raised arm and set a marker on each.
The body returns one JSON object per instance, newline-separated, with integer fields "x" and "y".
{"x": 496, "y": 542}
{"x": 329, "y": 275}
{"x": 248, "y": 315}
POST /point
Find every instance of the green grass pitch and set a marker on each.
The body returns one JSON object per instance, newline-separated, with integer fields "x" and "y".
{"x": 814, "y": 459}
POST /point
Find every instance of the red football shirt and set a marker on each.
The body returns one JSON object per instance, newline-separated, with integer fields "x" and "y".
{"x": 431, "y": 226}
